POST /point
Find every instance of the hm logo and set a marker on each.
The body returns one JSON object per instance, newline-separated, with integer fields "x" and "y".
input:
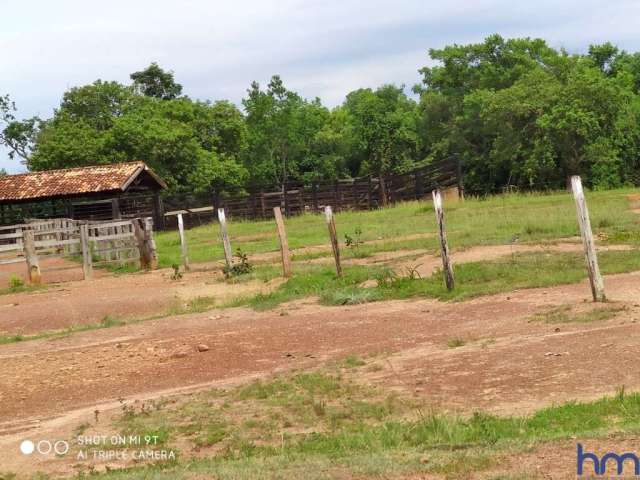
{"x": 600, "y": 464}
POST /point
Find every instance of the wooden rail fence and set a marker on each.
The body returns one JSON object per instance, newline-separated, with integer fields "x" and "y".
{"x": 85, "y": 244}
{"x": 362, "y": 193}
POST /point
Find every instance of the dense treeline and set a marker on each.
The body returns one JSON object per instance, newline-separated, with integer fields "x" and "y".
{"x": 515, "y": 112}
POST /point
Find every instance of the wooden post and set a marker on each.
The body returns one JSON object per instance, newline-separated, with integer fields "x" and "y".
{"x": 183, "y": 243}
{"x": 444, "y": 247}
{"x": 87, "y": 269}
{"x": 146, "y": 243}
{"x": 115, "y": 209}
{"x": 459, "y": 175}
{"x": 314, "y": 196}
{"x": 284, "y": 243}
{"x": 331, "y": 223}
{"x": 597, "y": 284}
{"x": 158, "y": 211}
{"x": 150, "y": 243}
{"x": 33, "y": 266}
{"x": 228, "y": 256}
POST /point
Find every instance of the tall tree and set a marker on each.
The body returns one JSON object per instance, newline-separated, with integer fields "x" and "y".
{"x": 153, "y": 81}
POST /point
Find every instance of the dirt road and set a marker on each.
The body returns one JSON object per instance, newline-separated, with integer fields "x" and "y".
{"x": 508, "y": 364}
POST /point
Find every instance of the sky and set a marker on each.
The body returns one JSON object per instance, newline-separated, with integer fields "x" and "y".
{"x": 322, "y": 48}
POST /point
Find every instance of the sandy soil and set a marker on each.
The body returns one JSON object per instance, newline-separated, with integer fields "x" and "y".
{"x": 509, "y": 364}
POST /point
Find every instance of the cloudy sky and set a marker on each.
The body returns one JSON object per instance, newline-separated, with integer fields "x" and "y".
{"x": 322, "y": 48}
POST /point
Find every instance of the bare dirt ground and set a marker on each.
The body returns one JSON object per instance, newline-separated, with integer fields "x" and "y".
{"x": 76, "y": 303}
{"x": 509, "y": 363}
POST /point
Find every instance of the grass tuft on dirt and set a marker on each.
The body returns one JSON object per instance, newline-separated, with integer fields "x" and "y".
{"x": 517, "y": 271}
{"x": 566, "y": 314}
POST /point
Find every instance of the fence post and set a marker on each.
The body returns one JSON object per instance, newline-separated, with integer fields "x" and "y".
{"x": 146, "y": 243}
{"x": 597, "y": 284}
{"x": 228, "y": 256}
{"x": 151, "y": 243}
{"x": 284, "y": 243}
{"x": 33, "y": 266}
{"x": 158, "y": 211}
{"x": 444, "y": 247}
{"x": 314, "y": 196}
{"x": 183, "y": 243}
{"x": 331, "y": 224}
{"x": 459, "y": 175}
{"x": 87, "y": 267}
{"x": 115, "y": 208}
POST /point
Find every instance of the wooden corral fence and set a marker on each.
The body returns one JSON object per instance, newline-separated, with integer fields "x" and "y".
{"x": 362, "y": 193}
{"x": 82, "y": 243}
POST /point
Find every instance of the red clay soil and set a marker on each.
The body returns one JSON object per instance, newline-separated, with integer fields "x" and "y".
{"x": 509, "y": 363}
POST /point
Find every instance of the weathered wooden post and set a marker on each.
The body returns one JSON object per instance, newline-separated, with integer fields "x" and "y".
{"x": 331, "y": 224}
{"x": 442, "y": 234}
{"x": 228, "y": 256}
{"x": 143, "y": 231}
{"x": 150, "y": 243}
{"x": 87, "y": 267}
{"x": 183, "y": 243}
{"x": 284, "y": 243}
{"x": 33, "y": 266}
{"x": 597, "y": 284}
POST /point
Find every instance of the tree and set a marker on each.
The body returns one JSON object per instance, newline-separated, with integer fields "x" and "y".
{"x": 520, "y": 113}
{"x": 280, "y": 126}
{"x": 194, "y": 146}
{"x": 385, "y": 130}
{"x": 153, "y": 81}
{"x": 18, "y": 136}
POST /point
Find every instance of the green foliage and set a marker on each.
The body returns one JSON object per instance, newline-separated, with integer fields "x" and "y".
{"x": 242, "y": 267}
{"x": 521, "y": 113}
{"x": 15, "y": 282}
{"x": 177, "y": 274}
{"x": 517, "y": 113}
{"x": 153, "y": 81}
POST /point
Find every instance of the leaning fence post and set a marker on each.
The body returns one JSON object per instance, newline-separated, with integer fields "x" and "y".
{"x": 442, "y": 234}
{"x": 228, "y": 256}
{"x": 284, "y": 243}
{"x": 331, "y": 223}
{"x": 87, "y": 269}
{"x": 33, "y": 266}
{"x": 597, "y": 284}
{"x": 183, "y": 243}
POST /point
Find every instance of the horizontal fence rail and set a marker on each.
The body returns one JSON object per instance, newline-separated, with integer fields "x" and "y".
{"x": 81, "y": 244}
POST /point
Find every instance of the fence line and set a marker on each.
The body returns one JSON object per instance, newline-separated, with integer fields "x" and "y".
{"x": 362, "y": 193}
{"x": 96, "y": 243}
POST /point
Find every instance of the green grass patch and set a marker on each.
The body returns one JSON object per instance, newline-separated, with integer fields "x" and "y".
{"x": 107, "y": 322}
{"x": 289, "y": 425}
{"x": 517, "y": 271}
{"x": 565, "y": 314}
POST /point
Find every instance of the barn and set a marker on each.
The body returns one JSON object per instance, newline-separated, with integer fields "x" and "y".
{"x": 101, "y": 192}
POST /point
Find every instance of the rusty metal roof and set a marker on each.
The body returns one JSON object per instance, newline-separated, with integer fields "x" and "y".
{"x": 72, "y": 181}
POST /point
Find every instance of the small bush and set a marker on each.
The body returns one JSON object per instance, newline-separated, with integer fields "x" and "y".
{"x": 15, "y": 282}
{"x": 241, "y": 268}
{"x": 177, "y": 274}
